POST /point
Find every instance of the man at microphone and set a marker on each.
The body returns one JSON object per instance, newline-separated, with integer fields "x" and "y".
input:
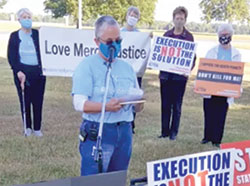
{"x": 89, "y": 84}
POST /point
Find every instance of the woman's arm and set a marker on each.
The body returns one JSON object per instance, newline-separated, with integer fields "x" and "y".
{"x": 12, "y": 52}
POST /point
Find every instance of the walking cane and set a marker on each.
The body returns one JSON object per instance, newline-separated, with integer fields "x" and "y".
{"x": 24, "y": 113}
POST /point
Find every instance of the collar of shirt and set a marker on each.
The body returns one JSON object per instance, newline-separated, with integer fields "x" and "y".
{"x": 185, "y": 35}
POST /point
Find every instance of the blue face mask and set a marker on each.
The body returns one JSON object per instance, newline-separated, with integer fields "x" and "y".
{"x": 26, "y": 23}
{"x": 104, "y": 48}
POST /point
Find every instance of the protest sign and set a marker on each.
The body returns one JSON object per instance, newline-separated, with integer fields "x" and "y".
{"x": 172, "y": 55}
{"x": 62, "y": 49}
{"x": 207, "y": 168}
{"x": 242, "y": 162}
{"x": 220, "y": 78}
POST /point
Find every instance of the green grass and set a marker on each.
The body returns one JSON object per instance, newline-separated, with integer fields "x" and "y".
{"x": 56, "y": 156}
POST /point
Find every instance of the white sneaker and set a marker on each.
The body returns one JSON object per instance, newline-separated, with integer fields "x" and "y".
{"x": 38, "y": 133}
{"x": 28, "y": 132}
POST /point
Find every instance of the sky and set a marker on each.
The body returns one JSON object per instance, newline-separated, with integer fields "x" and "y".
{"x": 163, "y": 11}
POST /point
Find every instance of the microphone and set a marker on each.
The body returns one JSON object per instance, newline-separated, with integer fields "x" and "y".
{"x": 111, "y": 53}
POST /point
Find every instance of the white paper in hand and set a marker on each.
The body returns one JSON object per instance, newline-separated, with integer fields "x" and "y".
{"x": 133, "y": 94}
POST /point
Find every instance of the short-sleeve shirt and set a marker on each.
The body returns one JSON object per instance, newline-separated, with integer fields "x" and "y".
{"x": 89, "y": 80}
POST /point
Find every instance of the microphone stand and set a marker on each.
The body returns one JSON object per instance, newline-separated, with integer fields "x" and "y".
{"x": 97, "y": 149}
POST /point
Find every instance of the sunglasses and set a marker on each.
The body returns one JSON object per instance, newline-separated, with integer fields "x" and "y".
{"x": 110, "y": 41}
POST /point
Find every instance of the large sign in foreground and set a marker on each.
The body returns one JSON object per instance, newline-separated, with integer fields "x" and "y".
{"x": 208, "y": 168}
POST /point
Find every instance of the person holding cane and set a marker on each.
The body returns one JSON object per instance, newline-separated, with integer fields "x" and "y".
{"x": 25, "y": 61}
{"x": 89, "y": 85}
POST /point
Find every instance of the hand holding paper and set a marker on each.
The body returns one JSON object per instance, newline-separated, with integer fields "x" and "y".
{"x": 134, "y": 94}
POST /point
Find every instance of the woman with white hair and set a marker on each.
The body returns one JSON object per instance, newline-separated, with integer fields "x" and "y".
{"x": 25, "y": 61}
{"x": 215, "y": 107}
{"x": 132, "y": 17}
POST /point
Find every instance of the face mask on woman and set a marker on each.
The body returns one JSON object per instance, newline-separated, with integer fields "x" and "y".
{"x": 132, "y": 21}
{"x": 26, "y": 23}
{"x": 224, "y": 40}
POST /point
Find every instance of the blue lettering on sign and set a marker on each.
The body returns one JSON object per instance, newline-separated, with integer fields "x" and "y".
{"x": 156, "y": 172}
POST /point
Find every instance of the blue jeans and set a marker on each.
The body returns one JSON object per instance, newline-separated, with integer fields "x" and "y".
{"x": 116, "y": 147}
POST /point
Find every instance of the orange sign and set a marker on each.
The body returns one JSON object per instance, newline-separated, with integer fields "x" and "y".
{"x": 218, "y": 77}
{"x": 242, "y": 162}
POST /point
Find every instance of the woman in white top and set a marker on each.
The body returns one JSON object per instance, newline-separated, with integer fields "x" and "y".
{"x": 215, "y": 107}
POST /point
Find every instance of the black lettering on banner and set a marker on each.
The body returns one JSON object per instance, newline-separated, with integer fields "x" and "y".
{"x": 81, "y": 51}
{"x": 86, "y": 51}
{"x": 143, "y": 54}
{"x": 57, "y": 49}
{"x": 46, "y": 47}
{"x": 132, "y": 53}
{"x": 78, "y": 50}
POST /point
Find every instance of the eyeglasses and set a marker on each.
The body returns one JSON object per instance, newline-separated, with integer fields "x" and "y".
{"x": 110, "y": 41}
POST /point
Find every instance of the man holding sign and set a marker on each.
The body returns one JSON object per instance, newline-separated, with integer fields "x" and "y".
{"x": 215, "y": 107}
{"x": 173, "y": 85}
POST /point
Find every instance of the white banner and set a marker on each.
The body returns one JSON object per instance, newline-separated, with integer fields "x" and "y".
{"x": 207, "y": 168}
{"x": 172, "y": 55}
{"x": 62, "y": 49}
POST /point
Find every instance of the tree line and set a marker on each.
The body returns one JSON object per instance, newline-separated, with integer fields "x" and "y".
{"x": 233, "y": 11}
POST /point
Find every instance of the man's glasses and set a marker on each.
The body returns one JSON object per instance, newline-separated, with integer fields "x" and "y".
{"x": 110, "y": 41}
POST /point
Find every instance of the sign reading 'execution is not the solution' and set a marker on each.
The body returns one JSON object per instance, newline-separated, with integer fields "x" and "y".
{"x": 172, "y": 55}
{"x": 213, "y": 168}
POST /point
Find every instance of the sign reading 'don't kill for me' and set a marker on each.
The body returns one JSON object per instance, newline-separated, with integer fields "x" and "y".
{"x": 172, "y": 55}
{"x": 212, "y": 168}
{"x": 218, "y": 77}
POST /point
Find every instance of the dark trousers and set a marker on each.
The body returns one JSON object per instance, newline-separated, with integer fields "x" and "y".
{"x": 172, "y": 92}
{"x": 33, "y": 95}
{"x": 215, "y": 111}
{"x": 139, "y": 79}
